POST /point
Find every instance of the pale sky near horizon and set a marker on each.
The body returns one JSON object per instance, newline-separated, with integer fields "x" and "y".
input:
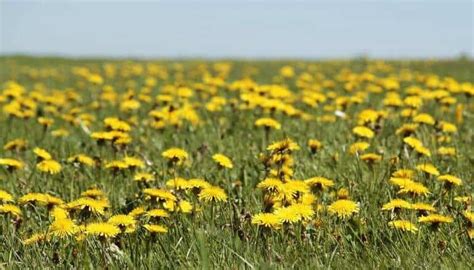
{"x": 238, "y": 29}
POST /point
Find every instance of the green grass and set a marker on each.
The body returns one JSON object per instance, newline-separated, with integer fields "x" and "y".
{"x": 222, "y": 236}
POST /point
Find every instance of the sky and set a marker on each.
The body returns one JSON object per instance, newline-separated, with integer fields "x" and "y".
{"x": 238, "y": 29}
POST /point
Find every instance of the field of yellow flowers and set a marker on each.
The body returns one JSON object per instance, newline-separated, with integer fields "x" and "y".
{"x": 236, "y": 164}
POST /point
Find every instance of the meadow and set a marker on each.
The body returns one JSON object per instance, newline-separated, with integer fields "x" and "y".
{"x": 125, "y": 164}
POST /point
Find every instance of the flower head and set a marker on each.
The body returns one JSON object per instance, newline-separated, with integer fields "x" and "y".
{"x": 212, "y": 193}
{"x": 343, "y": 208}
{"x": 223, "y": 161}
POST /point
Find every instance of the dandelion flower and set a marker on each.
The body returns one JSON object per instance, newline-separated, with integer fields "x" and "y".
{"x": 223, "y": 161}
{"x": 10, "y": 209}
{"x": 49, "y": 166}
{"x": 268, "y": 123}
{"x": 271, "y": 184}
{"x": 124, "y": 222}
{"x": 152, "y": 228}
{"x": 177, "y": 155}
{"x": 363, "y": 132}
{"x": 343, "y": 208}
{"x": 435, "y": 219}
{"x": 428, "y": 168}
{"x": 102, "y": 229}
{"x": 397, "y": 204}
{"x": 358, "y": 147}
{"x": 423, "y": 207}
{"x": 284, "y": 145}
{"x": 314, "y": 145}
{"x": 143, "y": 177}
{"x": 5, "y": 196}
{"x": 424, "y": 118}
{"x": 16, "y": 144}
{"x": 11, "y": 164}
{"x": 159, "y": 194}
{"x": 403, "y": 225}
{"x": 63, "y": 228}
{"x": 157, "y": 213}
{"x": 42, "y": 154}
{"x": 414, "y": 188}
{"x": 82, "y": 159}
{"x": 212, "y": 193}
{"x": 450, "y": 179}
{"x": 319, "y": 182}
{"x": 268, "y": 220}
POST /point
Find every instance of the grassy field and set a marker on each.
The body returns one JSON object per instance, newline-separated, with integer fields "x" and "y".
{"x": 330, "y": 164}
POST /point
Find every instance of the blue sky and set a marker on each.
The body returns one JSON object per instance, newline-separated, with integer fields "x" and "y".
{"x": 263, "y": 29}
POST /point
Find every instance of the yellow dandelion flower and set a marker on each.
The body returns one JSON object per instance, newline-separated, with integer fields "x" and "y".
{"x": 16, "y": 144}
{"x": 157, "y": 213}
{"x": 423, "y": 207}
{"x": 271, "y": 184}
{"x": 60, "y": 133}
{"x": 136, "y": 212}
{"x": 125, "y": 222}
{"x": 82, "y": 159}
{"x": 319, "y": 182}
{"x": 400, "y": 182}
{"x": 424, "y": 118}
{"x": 159, "y": 194}
{"x": 42, "y": 154}
{"x": 414, "y": 188}
{"x": 450, "y": 179}
{"x": 10, "y": 209}
{"x": 397, "y": 204}
{"x": 89, "y": 204}
{"x": 196, "y": 183}
{"x": 223, "y": 161}
{"x": 268, "y": 123}
{"x": 343, "y": 208}
{"x": 175, "y": 155}
{"x": 49, "y": 166}
{"x": 268, "y": 220}
{"x": 133, "y": 162}
{"x": 358, "y": 147}
{"x": 403, "y": 173}
{"x": 447, "y": 127}
{"x": 102, "y": 229}
{"x": 363, "y": 132}
{"x": 406, "y": 129}
{"x": 5, "y": 196}
{"x": 59, "y": 213}
{"x": 314, "y": 145}
{"x": 116, "y": 124}
{"x": 435, "y": 219}
{"x": 143, "y": 177}
{"x": 469, "y": 215}
{"x": 287, "y": 215}
{"x": 403, "y": 225}
{"x": 371, "y": 157}
{"x": 212, "y": 193}
{"x": 284, "y": 145}
{"x": 153, "y": 228}
{"x": 93, "y": 193}
{"x": 428, "y": 168}
{"x": 11, "y": 164}
{"x": 63, "y": 228}
{"x": 447, "y": 151}
{"x": 412, "y": 142}
{"x": 185, "y": 207}
{"x": 178, "y": 183}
